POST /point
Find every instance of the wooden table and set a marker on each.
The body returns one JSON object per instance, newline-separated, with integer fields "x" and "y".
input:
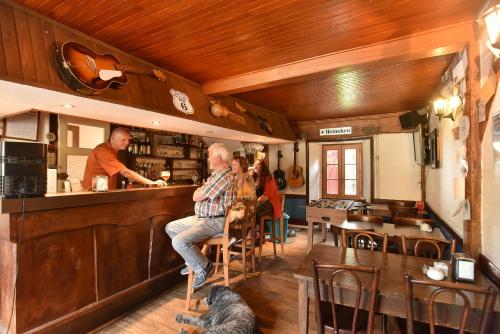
{"x": 391, "y": 229}
{"x": 391, "y": 287}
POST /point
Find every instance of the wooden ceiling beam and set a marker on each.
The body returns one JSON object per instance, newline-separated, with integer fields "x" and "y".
{"x": 433, "y": 43}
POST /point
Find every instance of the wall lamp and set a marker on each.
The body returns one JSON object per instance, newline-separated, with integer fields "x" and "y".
{"x": 447, "y": 107}
{"x": 491, "y": 18}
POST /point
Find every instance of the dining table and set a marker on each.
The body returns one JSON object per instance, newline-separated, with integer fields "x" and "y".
{"x": 393, "y": 230}
{"x": 391, "y": 302}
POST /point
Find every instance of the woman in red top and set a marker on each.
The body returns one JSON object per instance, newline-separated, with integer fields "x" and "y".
{"x": 268, "y": 197}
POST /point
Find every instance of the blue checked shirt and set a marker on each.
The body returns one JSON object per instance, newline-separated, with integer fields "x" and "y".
{"x": 219, "y": 190}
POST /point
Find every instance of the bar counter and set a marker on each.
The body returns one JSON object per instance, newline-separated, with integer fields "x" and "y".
{"x": 85, "y": 258}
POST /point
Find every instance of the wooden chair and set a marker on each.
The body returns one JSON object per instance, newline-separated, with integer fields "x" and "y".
{"x": 272, "y": 234}
{"x": 219, "y": 240}
{"x": 402, "y": 203}
{"x": 427, "y": 247}
{"x": 402, "y": 211}
{"x": 365, "y": 240}
{"x": 413, "y": 221}
{"x": 456, "y": 289}
{"x": 340, "y": 318}
{"x": 245, "y": 246}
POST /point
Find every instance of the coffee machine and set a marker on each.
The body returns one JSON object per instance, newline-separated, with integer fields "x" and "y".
{"x": 23, "y": 169}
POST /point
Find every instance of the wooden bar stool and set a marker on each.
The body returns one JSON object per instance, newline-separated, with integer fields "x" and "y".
{"x": 219, "y": 240}
{"x": 272, "y": 234}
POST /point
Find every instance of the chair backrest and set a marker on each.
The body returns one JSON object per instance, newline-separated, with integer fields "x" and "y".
{"x": 427, "y": 247}
{"x": 458, "y": 289}
{"x": 365, "y": 218}
{"x": 413, "y": 221}
{"x": 402, "y": 203}
{"x": 402, "y": 211}
{"x": 334, "y": 270}
{"x": 365, "y": 240}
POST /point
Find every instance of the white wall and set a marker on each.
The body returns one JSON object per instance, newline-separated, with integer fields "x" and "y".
{"x": 445, "y": 185}
{"x": 397, "y": 175}
{"x": 490, "y": 225}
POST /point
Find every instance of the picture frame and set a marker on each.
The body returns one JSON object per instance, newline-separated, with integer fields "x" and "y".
{"x": 22, "y": 126}
{"x": 434, "y": 158}
{"x": 496, "y": 137}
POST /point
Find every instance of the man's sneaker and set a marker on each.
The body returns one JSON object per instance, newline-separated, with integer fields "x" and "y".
{"x": 185, "y": 271}
{"x": 201, "y": 278}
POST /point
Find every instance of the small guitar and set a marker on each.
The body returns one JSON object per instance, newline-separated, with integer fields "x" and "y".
{"x": 263, "y": 123}
{"x": 218, "y": 110}
{"x": 279, "y": 175}
{"x": 295, "y": 178}
{"x": 90, "y": 73}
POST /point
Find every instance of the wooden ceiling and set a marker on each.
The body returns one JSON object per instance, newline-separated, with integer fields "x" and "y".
{"x": 307, "y": 59}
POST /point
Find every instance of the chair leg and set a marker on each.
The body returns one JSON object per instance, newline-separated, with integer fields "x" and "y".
{"x": 273, "y": 235}
{"x": 261, "y": 237}
{"x": 252, "y": 248}
{"x": 225, "y": 263}
{"x": 282, "y": 237}
{"x": 189, "y": 289}
{"x": 244, "y": 256}
{"x": 217, "y": 263}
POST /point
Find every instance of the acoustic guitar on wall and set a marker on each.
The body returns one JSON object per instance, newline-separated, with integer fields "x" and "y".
{"x": 295, "y": 178}
{"x": 279, "y": 175}
{"x": 90, "y": 73}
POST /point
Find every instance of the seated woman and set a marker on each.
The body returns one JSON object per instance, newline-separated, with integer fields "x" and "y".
{"x": 245, "y": 186}
{"x": 268, "y": 197}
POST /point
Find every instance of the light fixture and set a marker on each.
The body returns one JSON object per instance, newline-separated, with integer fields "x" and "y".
{"x": 491, "y": 19}
{"x": 67, "y": 105}
{"x": 155, "y": 122}
{"x": 447, "y": 107}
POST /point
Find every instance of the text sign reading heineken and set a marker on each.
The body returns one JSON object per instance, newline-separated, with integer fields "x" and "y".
{"x": 347, "y": 130}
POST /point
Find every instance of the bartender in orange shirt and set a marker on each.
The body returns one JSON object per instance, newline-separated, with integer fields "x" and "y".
{"x": 103, "y": 160}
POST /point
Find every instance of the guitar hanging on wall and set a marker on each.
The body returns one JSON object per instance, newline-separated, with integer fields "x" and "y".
{"x": 263, "y": 123}
{"x": 279, "y": 175}
{"x": 295, "y": 178}
{"x": 90, "y": 73}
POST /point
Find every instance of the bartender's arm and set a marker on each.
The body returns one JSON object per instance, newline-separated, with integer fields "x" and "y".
{"x": 133, "y": 176}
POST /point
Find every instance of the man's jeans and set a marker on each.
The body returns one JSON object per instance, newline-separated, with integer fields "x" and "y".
{"x": 187, "y": 232}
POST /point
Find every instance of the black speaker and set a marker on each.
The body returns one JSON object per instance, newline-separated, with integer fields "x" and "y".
{"x": 411, "y": 119}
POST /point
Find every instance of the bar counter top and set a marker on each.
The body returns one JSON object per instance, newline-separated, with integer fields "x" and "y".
{"x": 61, "y": 200}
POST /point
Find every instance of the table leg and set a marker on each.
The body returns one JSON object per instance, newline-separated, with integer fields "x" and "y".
{"x": 303, "y": 307}
{"x": 323, "y": 231}
{"x": 310, "y": 227}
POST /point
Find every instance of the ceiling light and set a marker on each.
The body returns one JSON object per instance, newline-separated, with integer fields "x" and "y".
{"x": 67, "y": 105}
{"x": 155, "y": 122}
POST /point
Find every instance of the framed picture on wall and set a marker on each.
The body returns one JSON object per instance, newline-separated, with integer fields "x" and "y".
{"x": 496, "y": 137}
{"x": 22, "y": 126}
{"x": 434, "y": 149}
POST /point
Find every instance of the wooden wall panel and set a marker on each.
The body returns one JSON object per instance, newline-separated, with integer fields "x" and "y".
{"x": 3, "y": 64}
{"x": 57, "y": 277}
{"x": 11, "y": 47}
{"x": 122, "y": 254}
{"x": 7, "y": 278}
{"x": 28, "y": 43}
{"x": 163, "y": 255}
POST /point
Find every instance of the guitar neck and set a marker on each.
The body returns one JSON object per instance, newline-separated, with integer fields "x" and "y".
{"x": 134, "y": 69}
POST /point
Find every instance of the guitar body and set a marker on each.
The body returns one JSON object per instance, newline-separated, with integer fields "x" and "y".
{"x": 79, "y": 67}
{"x": 295, "y": 178}
{"x": 279, "y": 175}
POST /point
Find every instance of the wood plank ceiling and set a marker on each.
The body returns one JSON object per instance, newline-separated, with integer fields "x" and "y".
{"x": 301, "y": 58}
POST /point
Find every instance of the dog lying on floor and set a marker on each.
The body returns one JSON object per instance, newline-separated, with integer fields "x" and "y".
{"x": 227, "y": 314}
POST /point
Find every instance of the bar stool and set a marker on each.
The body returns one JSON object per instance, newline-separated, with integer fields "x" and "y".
{"x": 272, "y": 234}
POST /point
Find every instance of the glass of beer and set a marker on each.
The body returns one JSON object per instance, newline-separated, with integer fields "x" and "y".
{"x": 165, "y": 175}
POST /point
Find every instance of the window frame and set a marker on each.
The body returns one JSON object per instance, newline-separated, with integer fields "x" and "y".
{"x": 359, "y": 170}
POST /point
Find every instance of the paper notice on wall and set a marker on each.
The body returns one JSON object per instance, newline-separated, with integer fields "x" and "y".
{"x": 460, "y": 207}
{"x": 466, "y": 211}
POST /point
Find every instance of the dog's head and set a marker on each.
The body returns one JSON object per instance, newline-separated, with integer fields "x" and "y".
{"x": 216, "y": 294}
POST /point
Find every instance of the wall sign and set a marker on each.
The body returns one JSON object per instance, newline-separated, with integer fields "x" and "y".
{"x": 347, "y": 130}
{"x": 181, "y": 102}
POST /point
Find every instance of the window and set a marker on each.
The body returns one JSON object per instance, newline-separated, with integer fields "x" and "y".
{"x": 342, "y": 173}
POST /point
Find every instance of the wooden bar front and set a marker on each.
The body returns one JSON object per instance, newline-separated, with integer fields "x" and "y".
{"x": 85, "y": 258}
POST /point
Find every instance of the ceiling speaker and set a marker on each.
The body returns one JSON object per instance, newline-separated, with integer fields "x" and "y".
{"x": 411, "y": 119}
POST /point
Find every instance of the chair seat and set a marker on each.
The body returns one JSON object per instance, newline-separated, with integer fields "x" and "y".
{"x": 422, "y": 327}
{"x": 344, "y": 317}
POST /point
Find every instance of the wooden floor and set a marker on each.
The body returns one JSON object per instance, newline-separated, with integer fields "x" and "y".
{"x": 271, "y": 292}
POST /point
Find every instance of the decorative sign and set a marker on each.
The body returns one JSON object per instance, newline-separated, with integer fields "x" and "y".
{"x": 22, "y": 126}
{"x": 464, "y": 128}
{"x": 181, "y": 102}
{"x": 347, "y": 130}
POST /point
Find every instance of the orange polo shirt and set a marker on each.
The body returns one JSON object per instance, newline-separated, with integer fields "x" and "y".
{"x": 102, "y": 161}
